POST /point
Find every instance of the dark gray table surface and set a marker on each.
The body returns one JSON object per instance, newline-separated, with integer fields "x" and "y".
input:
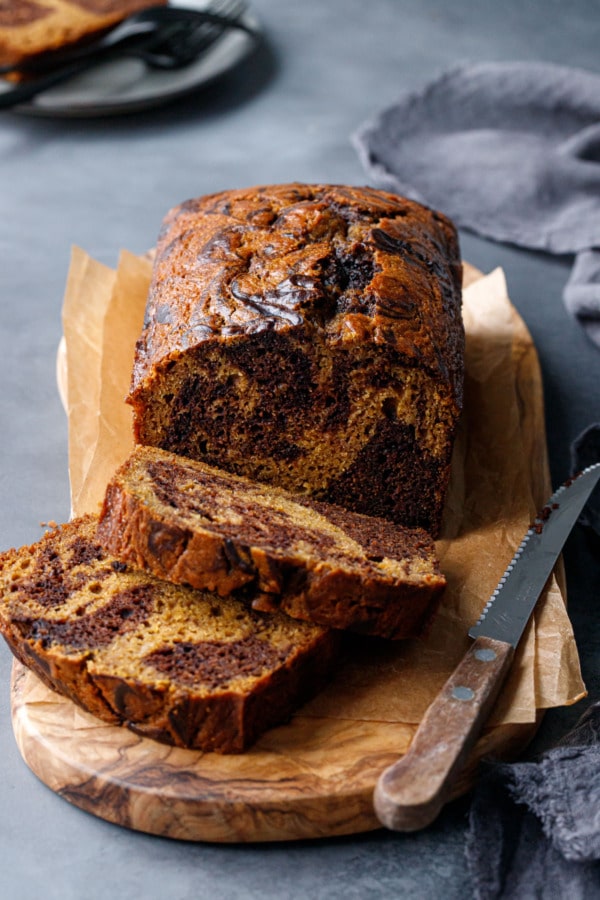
{"x": 105, "y": 184}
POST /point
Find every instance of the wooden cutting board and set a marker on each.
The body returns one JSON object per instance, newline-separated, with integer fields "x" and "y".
{"x": 311, "y": 778}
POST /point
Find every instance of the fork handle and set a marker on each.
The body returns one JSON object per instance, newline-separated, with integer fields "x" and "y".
{"x": 86, "y": 58}
{"x": 29, "y": 89}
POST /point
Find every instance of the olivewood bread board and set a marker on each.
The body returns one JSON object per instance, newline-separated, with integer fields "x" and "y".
{"x": 315, "y": 776}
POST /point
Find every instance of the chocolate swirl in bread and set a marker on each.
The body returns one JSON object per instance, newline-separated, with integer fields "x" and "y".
{"x": 308, "y": 336}
{"x": 194, "y": 524}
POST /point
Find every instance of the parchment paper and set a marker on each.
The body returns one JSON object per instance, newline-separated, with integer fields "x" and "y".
{"x": 499, "y": 480}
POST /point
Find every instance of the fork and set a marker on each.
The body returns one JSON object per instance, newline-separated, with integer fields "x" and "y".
{"x": 182, "y": 48}
{"x": 163, "y": 37}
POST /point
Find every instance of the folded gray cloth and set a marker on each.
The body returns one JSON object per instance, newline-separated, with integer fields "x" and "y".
{"x": 510, "y": 151}
{"x": 534, "y": 828}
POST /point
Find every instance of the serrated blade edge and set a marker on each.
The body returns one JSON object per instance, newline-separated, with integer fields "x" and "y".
{"x": 505, "y": 615}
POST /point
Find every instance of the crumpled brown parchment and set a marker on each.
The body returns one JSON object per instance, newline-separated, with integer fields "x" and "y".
{"x": 499, "y": 480}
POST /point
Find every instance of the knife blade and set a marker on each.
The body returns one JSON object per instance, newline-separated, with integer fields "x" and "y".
{"x": 410, "y": 793}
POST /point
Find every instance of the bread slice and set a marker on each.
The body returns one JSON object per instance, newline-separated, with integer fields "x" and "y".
{"x": 29, "y": 28}
{"x": 185, "y": 667}
{"x": 191, "y": 523}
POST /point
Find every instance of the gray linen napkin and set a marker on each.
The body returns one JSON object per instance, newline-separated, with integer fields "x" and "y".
{"x": 510, "y": 151}
{"x": 534, "y": 828}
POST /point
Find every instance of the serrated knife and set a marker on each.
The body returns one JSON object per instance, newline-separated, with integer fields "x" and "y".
{"x": 410, "y": 793}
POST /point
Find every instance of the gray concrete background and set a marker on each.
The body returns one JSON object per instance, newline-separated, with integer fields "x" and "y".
{"x": 105, "y": 184}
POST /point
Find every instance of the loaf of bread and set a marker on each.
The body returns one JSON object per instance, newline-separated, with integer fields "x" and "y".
{"x": 29, "y": 28}
{"x": 193, "y": 524}
{"x": 310, "y": 337}
{"x": 185, "y": 667}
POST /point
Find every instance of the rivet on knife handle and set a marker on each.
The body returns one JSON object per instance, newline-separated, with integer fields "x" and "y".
{"x": 410, "y": 794}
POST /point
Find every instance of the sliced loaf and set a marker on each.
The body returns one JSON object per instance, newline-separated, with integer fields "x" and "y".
{"x": 185, "y": 667}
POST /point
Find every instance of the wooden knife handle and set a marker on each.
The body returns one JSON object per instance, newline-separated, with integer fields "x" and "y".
{"x": 410, "y": 794}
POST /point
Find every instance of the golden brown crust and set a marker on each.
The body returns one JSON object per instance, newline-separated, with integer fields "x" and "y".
{"x": 191, "y": 523}
{"x": 308, "y": 336}
{"x": 29, "y": 28}
{"x": 185, "y": 667}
